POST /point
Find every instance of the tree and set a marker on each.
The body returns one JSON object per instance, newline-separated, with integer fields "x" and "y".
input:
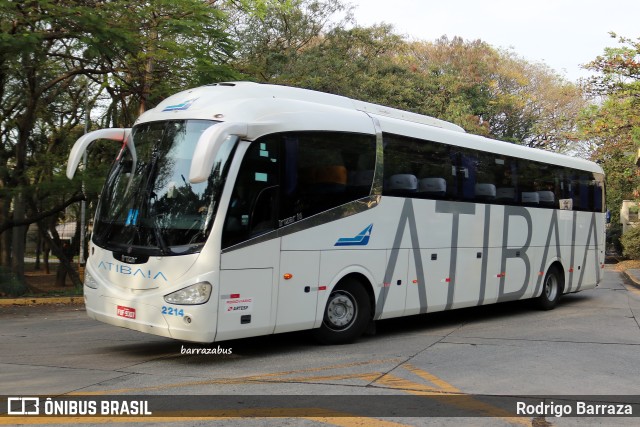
{"x": 51, "y": 51}
{"x": 535, "y": 106}
{"x": 486, "y": 91}
{"x": 42, "y": 45}
{"x": 270, "y": 43}
{"x": 174, "y": 45}
{"x": 496, "y": 93}
{"x": 611, "y": 125}
{"x": 631, "y": 243}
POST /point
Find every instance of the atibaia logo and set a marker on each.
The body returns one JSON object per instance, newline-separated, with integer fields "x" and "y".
{"x": 362, "y": 239}
{"x": 128, "y": 271}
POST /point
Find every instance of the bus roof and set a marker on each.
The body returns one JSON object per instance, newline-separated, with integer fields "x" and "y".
{"x": 262, "y": 103}
{"x": 204, "y": 99}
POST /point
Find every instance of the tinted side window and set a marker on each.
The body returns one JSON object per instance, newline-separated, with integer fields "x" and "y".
{"x": 527, "y": 183}
{"x": 418, "y": 168}
{"x": 253, "y": 207}
{"x": 598, "y": 193}
{"x": 506, "y": 174}
{"x": 587, "y": 191}
{"x": 424, "y": 169}
{"x": 323, "y": 170}
{"x": 481, "y": 175}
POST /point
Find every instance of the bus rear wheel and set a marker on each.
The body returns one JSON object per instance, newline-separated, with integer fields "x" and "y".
{"x": 551, "y": 289}
{"x": 346, "y": 314}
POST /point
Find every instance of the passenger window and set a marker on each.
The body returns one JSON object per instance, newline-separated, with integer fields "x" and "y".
{"x": 528, "y": 180}
{"x": 506, "y": 172}
{"x": 598, "y": 193}
{"x": 417, "y": 168}
{"x": 480, "y": 176}
{"x": 548, "y": 186}
{"x": 323, "y": 170}
{"x": 425, "y": 169}
{"x": 586, "y": 194}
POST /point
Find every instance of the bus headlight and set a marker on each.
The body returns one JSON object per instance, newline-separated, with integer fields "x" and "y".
{"x": 89, "y": 281}
{"x": 191, "y": 295}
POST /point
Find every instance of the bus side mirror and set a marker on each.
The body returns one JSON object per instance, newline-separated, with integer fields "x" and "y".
{"x": 208, "y": 145}
{"x": 115, "y": 134}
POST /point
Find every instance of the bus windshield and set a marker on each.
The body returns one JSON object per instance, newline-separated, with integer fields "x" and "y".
{"x": 148, "y": 206}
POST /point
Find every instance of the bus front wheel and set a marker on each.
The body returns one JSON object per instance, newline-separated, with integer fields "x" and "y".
{"x": 346, "y": 314}
{"x": 551, "y": 289}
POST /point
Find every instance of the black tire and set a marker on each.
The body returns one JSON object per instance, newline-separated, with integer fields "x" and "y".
{"x": 346, "y": 315}
{"x": 552, "y": 288}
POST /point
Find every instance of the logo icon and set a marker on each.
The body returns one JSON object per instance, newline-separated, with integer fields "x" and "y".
{"x": 23, "y": 406}
{"x": 182, "y": 106}
{"x": 128, "y": 259}
{"x": 362, "y": 239}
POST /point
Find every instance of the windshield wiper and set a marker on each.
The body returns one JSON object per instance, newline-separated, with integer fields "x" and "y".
{"x": 164, "y": 249}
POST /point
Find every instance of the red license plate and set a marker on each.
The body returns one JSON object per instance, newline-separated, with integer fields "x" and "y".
{"x": 128, "y": 312}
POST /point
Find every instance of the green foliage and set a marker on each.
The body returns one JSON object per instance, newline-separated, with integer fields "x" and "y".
{"x": 631, "y": 243}
{"x": 614, "y": 233}
{"x": 60, "y": 58}
{"x": 172, "y": 45}
{"x": 612, "y": 125}
{"x": 270, "y": 43}
{"x": 486, "y": 91}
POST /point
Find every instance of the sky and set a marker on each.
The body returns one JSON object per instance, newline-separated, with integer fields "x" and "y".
{"x": 563, "y": 34}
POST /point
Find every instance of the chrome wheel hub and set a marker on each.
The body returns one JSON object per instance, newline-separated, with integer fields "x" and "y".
{"x": 341, "y": 310}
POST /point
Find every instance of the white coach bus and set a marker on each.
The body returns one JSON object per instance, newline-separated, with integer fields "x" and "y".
{"x": 240, "y": 209}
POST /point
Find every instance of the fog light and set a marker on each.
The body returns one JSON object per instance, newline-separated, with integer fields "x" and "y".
{"x": 89, "y": 281}
{"x": 191, "y": 295}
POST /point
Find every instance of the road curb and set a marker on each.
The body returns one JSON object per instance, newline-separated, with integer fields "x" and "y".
{"x": 41, "y": 301}
{"x": 635, "y": 281}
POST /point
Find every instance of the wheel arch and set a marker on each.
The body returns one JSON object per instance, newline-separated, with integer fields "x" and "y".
{"x": 557, "y": 264}
{"x": 356, "y": 273}
{"x": 358, "y": 289}
{"x": 365, "y": 282}
{"x": 552, "y": 287}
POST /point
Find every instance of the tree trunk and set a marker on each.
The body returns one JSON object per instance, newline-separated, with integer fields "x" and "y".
{"x": 61, "y": 275}
{"x": 5, "y": 237}
{"x": 3, "y": 248}
{"x": 38, "y": 252}
{"x": 18, "y": 240}
{"x": 45, "y": 256}
{"x": 59, "y": 252}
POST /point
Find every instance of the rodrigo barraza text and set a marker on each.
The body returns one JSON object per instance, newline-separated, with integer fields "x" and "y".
{"x": 575, "y": 408}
